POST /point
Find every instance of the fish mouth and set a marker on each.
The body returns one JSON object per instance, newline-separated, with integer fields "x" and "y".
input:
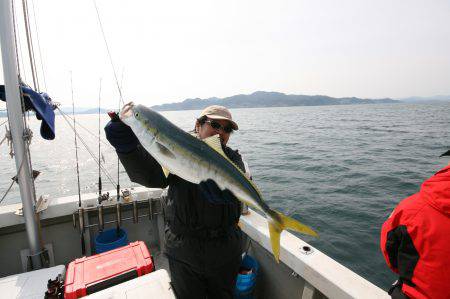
{"x": 127, "y": 111}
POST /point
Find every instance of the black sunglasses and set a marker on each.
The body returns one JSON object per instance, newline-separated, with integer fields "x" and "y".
{"x": 217, "y": 126}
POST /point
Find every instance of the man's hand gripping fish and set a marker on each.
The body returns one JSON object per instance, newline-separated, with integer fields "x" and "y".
{"x": 196, "y": 160}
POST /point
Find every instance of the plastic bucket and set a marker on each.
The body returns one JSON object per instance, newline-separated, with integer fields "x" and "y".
{"x": 110, "y": 239}
{"x": 245, "y": 283}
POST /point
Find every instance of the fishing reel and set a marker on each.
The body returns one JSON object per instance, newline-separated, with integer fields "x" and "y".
{"x": 103, "y": 197}
{"x": 114, "y": 116}
{"x": 55, "y": 288}
{"x": 126, "y": 195}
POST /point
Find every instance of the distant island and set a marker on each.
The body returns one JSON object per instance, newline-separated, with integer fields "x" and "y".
{"x": 426, "y": 100}
{"x": 267, "y": 99}
{"x": 68, "y": 110}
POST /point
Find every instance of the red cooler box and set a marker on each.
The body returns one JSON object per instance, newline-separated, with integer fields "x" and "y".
{"x": 88, "y": 275}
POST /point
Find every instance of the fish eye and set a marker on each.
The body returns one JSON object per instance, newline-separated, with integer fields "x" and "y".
{"x": 136, "y": 114}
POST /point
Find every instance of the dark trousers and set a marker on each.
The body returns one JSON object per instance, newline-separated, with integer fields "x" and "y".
{"x": 212, "y": 283}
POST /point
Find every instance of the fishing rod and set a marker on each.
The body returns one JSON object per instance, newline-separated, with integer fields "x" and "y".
{"x": 83, "y": 127}
{"x": 109, "y": 52}
{"x": 99, "y": 151}
{"x": 105, "y": 171}
{"x": 118, "y": 160}
{"x": 80, "y": 209}
{"x": 101, "y": 197}
{"x": 114, "y": 116}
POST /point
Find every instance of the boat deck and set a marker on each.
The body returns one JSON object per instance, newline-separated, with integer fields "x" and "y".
{"x": 160, "y": 260}
{"x": 303, "y": 272}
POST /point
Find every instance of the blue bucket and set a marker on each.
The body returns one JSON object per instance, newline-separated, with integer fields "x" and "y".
{"x": 110, "y": 239}
{"x": 245, "y": 283}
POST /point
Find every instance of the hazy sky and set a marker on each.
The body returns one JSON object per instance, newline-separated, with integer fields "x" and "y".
{"x": 172, "y": 50}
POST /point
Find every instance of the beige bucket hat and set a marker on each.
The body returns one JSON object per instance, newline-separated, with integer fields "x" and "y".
{"x": 219, "y": 112}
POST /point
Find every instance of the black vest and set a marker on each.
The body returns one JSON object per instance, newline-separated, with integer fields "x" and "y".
{"x": 187, "y": 212}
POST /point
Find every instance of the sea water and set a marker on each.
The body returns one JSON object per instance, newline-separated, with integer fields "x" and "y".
{"x": 339, "y": 169}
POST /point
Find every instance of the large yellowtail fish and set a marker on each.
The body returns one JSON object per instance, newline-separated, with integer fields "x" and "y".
{"x": 197, "y": 160}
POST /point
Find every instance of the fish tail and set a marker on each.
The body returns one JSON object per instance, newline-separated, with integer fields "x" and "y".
{"x": 280, "y": 223}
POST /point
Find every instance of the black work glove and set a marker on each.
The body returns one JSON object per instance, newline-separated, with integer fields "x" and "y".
{"x": 212, "y": 193}
{"x": 120, "y": 136}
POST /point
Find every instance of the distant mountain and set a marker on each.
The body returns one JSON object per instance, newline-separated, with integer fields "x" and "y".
{"x": 267, "y": 99}
{"x": 433, "y": 99}
{"x": 68, "y": 110}
{"x": 83, "y": 110}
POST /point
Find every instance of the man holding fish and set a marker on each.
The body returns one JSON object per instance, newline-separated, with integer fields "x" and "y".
{"x": 203, "y": 240}
{"x": 206, "y": 182}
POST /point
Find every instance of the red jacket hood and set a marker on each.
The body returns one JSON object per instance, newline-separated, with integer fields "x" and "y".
{"x": 436, "y": 190}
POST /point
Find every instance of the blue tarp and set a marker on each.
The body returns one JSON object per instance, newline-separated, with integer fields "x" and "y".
{"x": 40, "y": 103}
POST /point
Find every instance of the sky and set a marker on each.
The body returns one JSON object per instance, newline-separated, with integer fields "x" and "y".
{"x": 167, "y": 51}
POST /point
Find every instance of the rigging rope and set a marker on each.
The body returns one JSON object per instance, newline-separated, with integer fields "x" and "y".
{"x": 30, "y": 45}
{"x": 18, "y": 45}
{"x": 12, "y": 183}
{"x": 15, "y": 36}
{"x": 28, "y": 134}
{"x": 39, "y": 44}
{"x": 7, "y": 191}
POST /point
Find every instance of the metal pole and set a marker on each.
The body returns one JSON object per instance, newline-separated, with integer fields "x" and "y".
{"x": 15, "y": 116}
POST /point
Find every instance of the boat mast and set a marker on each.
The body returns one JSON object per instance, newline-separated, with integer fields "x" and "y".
{"x": 18, "y": 133}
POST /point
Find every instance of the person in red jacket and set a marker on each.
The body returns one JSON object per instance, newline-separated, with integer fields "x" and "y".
{"x": 415, "y": 241}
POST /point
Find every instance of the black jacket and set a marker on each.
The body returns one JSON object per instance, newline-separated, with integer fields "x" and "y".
{"x": 199, "y": 233}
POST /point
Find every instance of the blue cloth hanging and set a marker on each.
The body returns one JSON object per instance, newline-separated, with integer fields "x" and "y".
{"x": 40, "y": 103}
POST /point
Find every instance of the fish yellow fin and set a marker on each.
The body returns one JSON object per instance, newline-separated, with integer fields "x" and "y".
{"x": 165, "y": 171}
{"x": 214, "y": 142}
{"x": 292, "y": 224}
{"x": 275, "y": 229}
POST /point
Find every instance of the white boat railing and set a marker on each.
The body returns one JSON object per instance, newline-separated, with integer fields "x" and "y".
{"x": 318, "y": 270}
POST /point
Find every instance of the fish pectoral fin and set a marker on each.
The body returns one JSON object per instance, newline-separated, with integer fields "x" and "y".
{"x": 214, "y": 142}
{"x": 165, "y": 171}
{"x": 276, "y": 227}
{"x": 165, "y": 151}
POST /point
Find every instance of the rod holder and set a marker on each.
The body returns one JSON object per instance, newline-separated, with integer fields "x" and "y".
{"x": 74, "y": 220}
{"x": 101, "y": 222}
{"x": 118, "y": 215}
{"x": 135, "y": 212}
{"x": 150, "y": 208}
{"x": 81, "y": 218}
{"x": 105, "y": 208}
